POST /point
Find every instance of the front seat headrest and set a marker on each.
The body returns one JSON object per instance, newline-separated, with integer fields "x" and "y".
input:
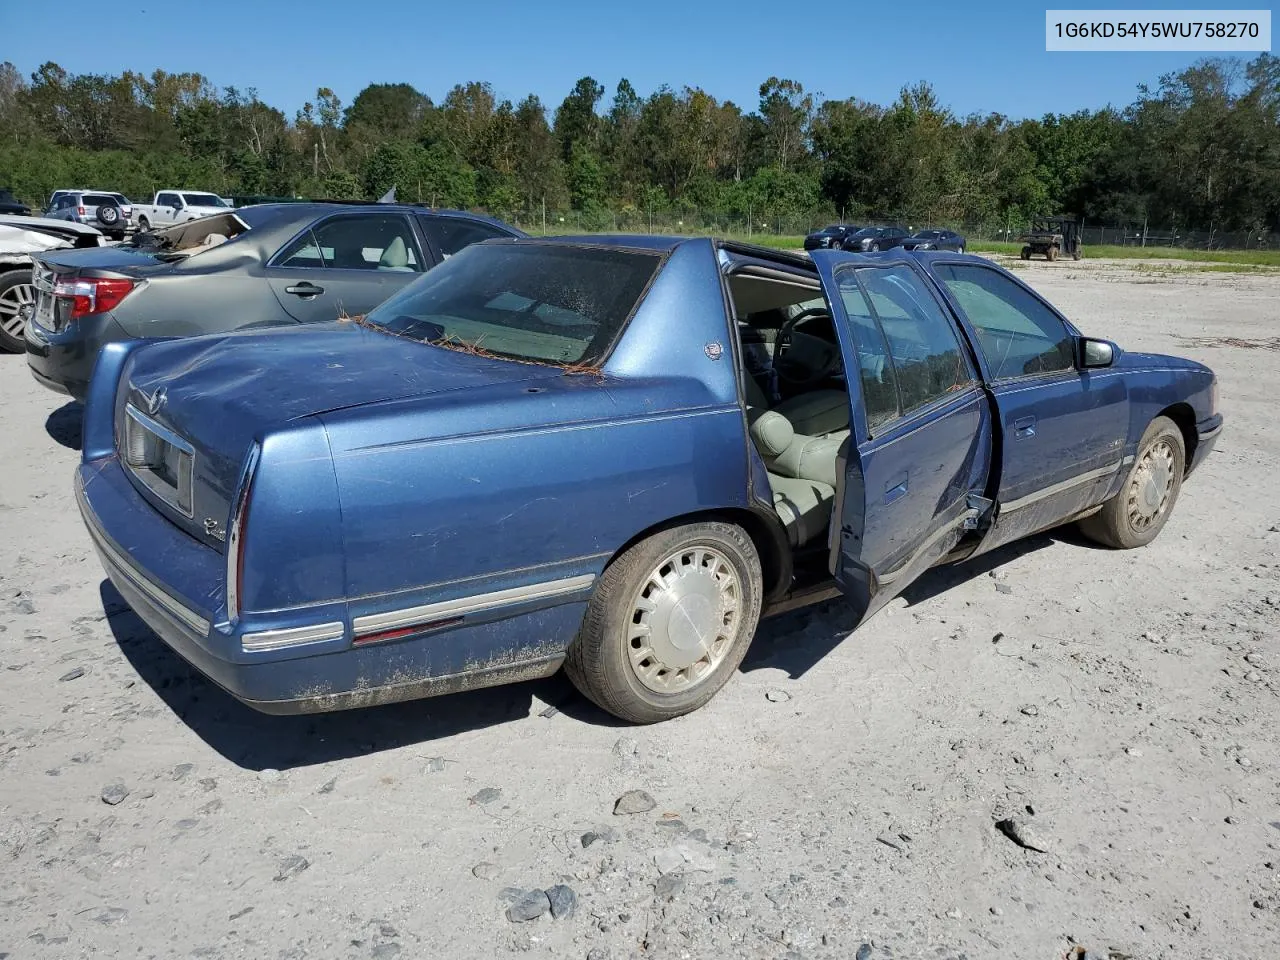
{"x": 772, "y": 433}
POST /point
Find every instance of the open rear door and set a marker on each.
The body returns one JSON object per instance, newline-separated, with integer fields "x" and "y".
{"x": 915, "y": 467}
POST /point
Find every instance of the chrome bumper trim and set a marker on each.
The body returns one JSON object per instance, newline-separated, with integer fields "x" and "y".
{"x": 152, "y": 591}
{"x": 292, "y": 636}
{"x": 462, "y": 606}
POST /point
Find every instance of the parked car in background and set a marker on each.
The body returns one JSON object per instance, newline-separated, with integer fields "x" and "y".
{"x": 252, "y": 267}
{"x": 829, "y": 237}
{"x": 545, "y": 452}
{"x": 108, "y": 212}
{"x": 11, "y": 205}
{"x": 934, "y": 240}
{"x": 178, "y": 206}
{"x": 20, "y": 237}
{"x": 123, "y": 202}
{"x": 873, "y": 239}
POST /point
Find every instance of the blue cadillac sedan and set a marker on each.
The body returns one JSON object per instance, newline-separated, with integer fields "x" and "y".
{"x": 613, "y": 454}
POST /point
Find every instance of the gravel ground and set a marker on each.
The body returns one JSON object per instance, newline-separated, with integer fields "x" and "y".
{"x": 840, "y": 798}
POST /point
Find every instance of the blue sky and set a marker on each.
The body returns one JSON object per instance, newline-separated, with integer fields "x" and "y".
{"x": 980, "y": 57}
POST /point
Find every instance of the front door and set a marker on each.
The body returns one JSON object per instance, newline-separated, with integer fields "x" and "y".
{"x": 1063, "y": 428}
{"x": 919, "y": 453}
{"x": 345, "y": 266}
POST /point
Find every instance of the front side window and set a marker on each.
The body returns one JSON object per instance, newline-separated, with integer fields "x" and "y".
{"x": 922, "y": 346}
{"x": 451, "y": 234}
{"x": 359, "y": 242}
{"x": 204, "y": 200}
{"x": 1019, "y": 335}
{"x": 542, "y": 302}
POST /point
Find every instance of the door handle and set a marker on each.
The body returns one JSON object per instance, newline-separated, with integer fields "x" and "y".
{"x": 1024, "y": 428}
{"x": 895, "y": 488}
{"x": 304, "y": 289}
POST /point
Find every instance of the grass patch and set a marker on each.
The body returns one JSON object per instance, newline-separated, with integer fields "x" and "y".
{"x": 1221, "y": 258}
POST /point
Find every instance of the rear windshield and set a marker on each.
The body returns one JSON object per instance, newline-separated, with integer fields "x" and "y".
{"x": 203, "y": 200}
{"x": 542, "y": 302}
{"x": 99, "y": 200}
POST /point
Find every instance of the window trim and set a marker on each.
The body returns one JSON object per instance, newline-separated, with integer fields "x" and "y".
{"x": 274, "y": 264}
{"x": 424, "y": 217}
{"x": 975, "y": 376}
{"x": 971, "y": 329}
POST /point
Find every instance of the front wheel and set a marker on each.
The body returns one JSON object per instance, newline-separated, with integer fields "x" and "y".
{"x": 1137, "y": 514}
{"x": 17, "y": 300}
{"x": 669, "y": 622}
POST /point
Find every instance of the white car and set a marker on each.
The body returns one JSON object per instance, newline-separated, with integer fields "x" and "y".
{"x": 19, "y": 238}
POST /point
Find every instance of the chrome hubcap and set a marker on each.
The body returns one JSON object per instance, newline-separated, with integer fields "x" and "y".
{"x": 1150, "y": 485}
{"x": 684, "y": 619}
{"x": 16, "y": 304}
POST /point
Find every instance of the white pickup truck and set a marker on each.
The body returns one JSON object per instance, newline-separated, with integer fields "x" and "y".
{"x": 177, "y": 206}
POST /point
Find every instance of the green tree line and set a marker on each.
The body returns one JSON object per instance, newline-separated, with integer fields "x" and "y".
{"x": 1199, "y": 148}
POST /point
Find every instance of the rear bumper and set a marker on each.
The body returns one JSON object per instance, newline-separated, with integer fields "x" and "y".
{"x": 63, "y": 360}
{"x": 133, "y": 540}
{"x": 1207, "y": 433}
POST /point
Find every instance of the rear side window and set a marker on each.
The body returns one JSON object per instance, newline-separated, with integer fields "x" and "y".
{"x": 915, "y": 333}
{"x": 361, "y": 242}
{"x": 1018, "y": 334}
{"x": 543, "y": 302}
{"x": 451, "y": 234}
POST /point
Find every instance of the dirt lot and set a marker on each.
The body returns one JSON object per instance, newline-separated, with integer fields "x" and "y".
{"x": 838, "y": 799}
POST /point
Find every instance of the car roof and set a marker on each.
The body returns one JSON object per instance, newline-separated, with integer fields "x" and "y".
{"x": 310, "y": 209}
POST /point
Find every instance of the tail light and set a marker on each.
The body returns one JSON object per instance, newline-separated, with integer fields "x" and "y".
{"x": 235, "y": 537}
{"x": 83, "y": 298}
{"x": 80, "y": 210}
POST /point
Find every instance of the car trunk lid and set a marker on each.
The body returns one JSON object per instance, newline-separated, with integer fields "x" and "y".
{"x": 217, "y": 395}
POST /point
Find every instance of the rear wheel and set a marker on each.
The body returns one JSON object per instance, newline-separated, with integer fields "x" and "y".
{"x": 143, "y": 224}
{"x": 17, "y": 300}
{"x": 1026, "y": 253}
{"x": 669, "y": 622}
{"x": 1051, "y": 254}
{"x": 1136, "y": 515}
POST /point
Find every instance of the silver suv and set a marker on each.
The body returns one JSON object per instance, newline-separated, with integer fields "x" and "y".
{"x": 110, "y": 212}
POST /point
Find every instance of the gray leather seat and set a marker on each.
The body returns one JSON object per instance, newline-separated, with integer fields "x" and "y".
{"x": 802, "y": 473}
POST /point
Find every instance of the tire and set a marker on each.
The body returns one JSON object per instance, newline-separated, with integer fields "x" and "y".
{"x": 1076, "y": 255}
{"x": 143, "y": 224}
{"x": 16, "y": 292}
{"x": 108, "y": 214}
{"x": 1131, "y": 518}
{"x": 960, "y": 249}
{"x": 875, "y": 248}
{"x": 1026, "y": 253}
{"x": 1051, "y": 254}
{"x": 604, "y": 661}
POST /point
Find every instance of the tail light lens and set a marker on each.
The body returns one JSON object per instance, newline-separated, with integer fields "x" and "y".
{"x": 82, "y": 298}
{"x": 235, "y": 537}
{"x": 80, "y": 211}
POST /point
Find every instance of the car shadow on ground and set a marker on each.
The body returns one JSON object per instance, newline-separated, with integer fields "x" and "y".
{"x": 797, "y": 641}
{"x": 65, "y": 424}
{"x": 794, "y": 642}
{"x": 258, "y": 741}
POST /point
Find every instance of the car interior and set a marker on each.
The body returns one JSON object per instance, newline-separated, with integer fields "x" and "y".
{"x": 793, "y": 380}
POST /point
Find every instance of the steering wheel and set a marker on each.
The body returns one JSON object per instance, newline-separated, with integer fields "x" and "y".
{"x": 803, "y": 360}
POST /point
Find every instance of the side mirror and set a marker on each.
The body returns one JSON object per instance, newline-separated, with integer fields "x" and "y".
{"x": 1096, "y": 353}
